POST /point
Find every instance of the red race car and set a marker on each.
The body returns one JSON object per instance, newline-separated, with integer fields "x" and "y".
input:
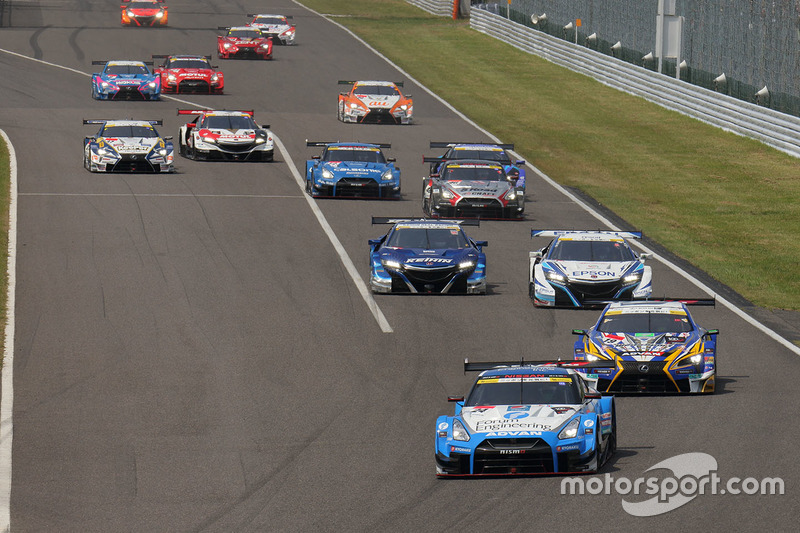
{"x": 189, "y": 74}
{"x": 244, "y": 42}
{"x": 144, "y": 13}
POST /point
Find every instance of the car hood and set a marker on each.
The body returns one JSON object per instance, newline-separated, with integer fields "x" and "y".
{"x": 271, "y": 28}
{"x": 143, "y": 12}
{"x": 643, "y": 346}
{"x": 131, "y": 145}
{"x": 422, "y": 258}
{"x": 478, "y": 189}
{"x": 591, "y": 271}
{"x": 190, "y": 72}
{"x": 245, "y": 40}
{"x": 228, "y": 135}
{"x": 514, "y": 418}
{"x": 127, "y": 79}
{"x": 356, "y": 168}
{"x": 377, "y": 100}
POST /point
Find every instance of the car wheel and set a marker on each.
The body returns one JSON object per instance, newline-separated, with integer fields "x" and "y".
{"x": 85, "y": 161}
{"x": 426, "y": 206}
{"x": 340, "y": 112}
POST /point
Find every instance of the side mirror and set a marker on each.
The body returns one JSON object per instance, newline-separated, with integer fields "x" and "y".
{"x": 214, "y": 66}
{"x": 316, "y": 157}
{"x": 168, "y": 138}
{"x": 592, "y": 395}
{"x": 535, "y": 255}
{"x": 579, "y": 332}
{"x": 374, "y": 242}
{"x": 481, "y": 244}
{"x": 644, "y": 256}
{"x": 391, "y": 159}
{"x": 191, "y": 125}
{"x": 265, "y": 126}
{"x": 519, "y": 162}
{"x": 455, "y": 398}
{"x": 709, "y": 333}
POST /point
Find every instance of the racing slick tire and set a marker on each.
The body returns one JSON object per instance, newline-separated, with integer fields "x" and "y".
{"x": 340, "y": 112}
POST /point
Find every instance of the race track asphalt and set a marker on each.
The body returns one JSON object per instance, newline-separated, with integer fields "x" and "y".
{"x": 192, "y": 355}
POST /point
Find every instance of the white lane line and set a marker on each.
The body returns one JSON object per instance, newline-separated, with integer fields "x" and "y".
{"x": 366, "y": 294}
{"x": 7, "y": 379}
{"x": 586, "y": 207}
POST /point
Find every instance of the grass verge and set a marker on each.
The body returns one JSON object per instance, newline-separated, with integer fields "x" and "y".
{"x": 728, "y": 205}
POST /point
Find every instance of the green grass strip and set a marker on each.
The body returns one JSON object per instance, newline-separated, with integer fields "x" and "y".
{"x": 728, "y": 205}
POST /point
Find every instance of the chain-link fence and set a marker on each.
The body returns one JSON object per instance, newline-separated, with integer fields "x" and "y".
{"x": 755, "y": 43}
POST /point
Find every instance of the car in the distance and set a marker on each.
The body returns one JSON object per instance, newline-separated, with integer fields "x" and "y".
{"x": 243, "y": 42}
{"x": 189, "y": 74}
{"x": 276, "y": 26}
{"x": 515, "y": 169}
{"x": 650, "y": 347}
{"x": 526, "y": 418}
{"x": 144, "y": 13}
{"x": 125, "y": 80}
{"x": 422, "y": 256}
{"x": 375, "y": 102}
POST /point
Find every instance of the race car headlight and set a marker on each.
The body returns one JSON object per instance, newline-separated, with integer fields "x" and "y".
{"x": 152, "y": 85}
{"x": 511, "y": 195}
{"x": 104, "y": 84}
{"x": 404, "y": 107}
{"x": 226, "y": 45}
{"x": 172, "y": 77}
{"x": 261, "y": 140}
{"x": 162, "y": 152}
{"x": 446, "y": 194}
{"x": 387, "y": 175}
{"x": 696, "y": 359}
{"x": 465, "y": 265}
{"x": 160, "y": 14}
{"x": 265, "y": 45}
{"x": 327, "y": 174}
{"x": 103, "y": 151}
{"x": 632, "y": 278}
{"x": 353, "y": 105}
{"x": 209, "y": 140}
{"x": 388, "y": 263}
{"x": 214, "y": 77}
{"x": 129, "y": 13}
{"x": 570, "y": 431}
{"x": 460, "y": 433}
{"x": 552, "y": 275}
{"x": 590, "y": 357}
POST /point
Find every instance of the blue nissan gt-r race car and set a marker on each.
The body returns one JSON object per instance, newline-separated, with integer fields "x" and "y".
{"x": 650, "y": 347}
{"x": 125, "y": 80}
{"x": 587, "y": 268}
{"x": 422, "y": 256}
{"x": 352, "y": 169}
{"x": 523, "y": 418}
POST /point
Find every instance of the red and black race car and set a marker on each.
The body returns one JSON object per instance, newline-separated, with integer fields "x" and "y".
{"x": 144, "y": 13}
{"x": 189, "y": 74}
{"x": 243, "y": 42}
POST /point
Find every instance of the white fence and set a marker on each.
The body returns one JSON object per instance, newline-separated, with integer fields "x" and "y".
{"x": 775, "y": 129}
{"x": 436, "y": 7}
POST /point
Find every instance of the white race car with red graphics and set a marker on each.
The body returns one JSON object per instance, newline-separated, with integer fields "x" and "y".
{"x": 226, "y": 135}
{"x": 276, "y": 26}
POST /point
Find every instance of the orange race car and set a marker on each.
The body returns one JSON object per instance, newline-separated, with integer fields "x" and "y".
{"x": 375, "y": 101}
{"x": 144, "y": 13}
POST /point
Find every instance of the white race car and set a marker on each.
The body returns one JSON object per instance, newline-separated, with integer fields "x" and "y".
{"x": 127, "y": 146}
{"x": 275, "y": 26}
{"x": 228, "y": 135}
{"x": 585, "y": 268}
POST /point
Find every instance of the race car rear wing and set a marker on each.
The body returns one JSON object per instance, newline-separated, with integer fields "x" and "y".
{"x": 327, "y": 143}
{"x": 104, "y": 61}
{"x": 353, "y": 82}
{"x": 481, "y": 366}
{"x": 165, "y": 56}
{"x": 204, "y": 111}
{"x": 448, "y": 144}
{"x": 260, "y": 14}
{"x": 711, "y": 302}
{"x": 397, "y": 220}
{"x": 559, "y": 232}
{"x": 104, "y": 120}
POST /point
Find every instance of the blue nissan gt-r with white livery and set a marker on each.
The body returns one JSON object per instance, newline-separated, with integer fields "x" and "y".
{"x": 523, "y": 418}
{"x": 352, "y": 169}
{"x": 422, "y": 256}
{"x": 125, "y": 80}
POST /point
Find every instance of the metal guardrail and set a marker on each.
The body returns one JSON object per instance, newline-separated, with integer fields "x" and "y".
{"x": 435, "y": 7}
{"x": 775, "y": 129}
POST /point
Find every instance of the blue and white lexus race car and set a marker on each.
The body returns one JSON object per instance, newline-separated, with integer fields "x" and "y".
{"x": 649, "y": 347}
{"x": 128, "y": 146}
{"x": 423, "y": 256}
{"x": 125, "y": 80}
{"x": 526, "y": 418}
{"x": 587, "y": 268}
{"x": 352, "y": 169}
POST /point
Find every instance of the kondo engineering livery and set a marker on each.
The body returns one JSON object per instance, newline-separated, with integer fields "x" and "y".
{"x": 650, "y": 346}
{"x": 583, "y": 268}
{"x": 127, "y": 146}
{"x": 526, "y": 418}
{"x": 375, "y": 101}
{"x": 228, "y": 135}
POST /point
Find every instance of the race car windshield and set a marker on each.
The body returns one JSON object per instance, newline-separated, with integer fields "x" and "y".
{"x": 143, "y": 5}
{"x": 128, "y": 131}
{"x": 359, "y": 156}
{"x": 565, "y": 250}
{"x": 377, "y": 90}
{"x": 117, "y": 70}
{"x": 474, "y": 173}
{"x": 188, "y": 63}
{"x": 229, "y": 122}
{"x": 428, "y": 239}
{"x": 645, "y": 323}
{"x": 522, "y": 392}
{"x": 270, "y": 21}
{"x": 245, "y": 34}
{"x": 486, "y": 155}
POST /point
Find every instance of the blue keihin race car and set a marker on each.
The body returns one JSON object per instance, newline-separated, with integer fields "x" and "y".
{"x": 425, "y": 256}
{"x": 651, "y": 346}
{"x": 587, "y": 268}
{"x": 515, "y": 169}
{"x": 125, "y": 80}
{"x": 538, "y": 417}
{"x": 127, "y": 146}
{"x": 352, "y": 169}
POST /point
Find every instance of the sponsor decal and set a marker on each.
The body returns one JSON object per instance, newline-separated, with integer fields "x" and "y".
{"x": 443, "y": 425}
{"x": 511, "y": 452}
{"x": 588, "y": 423}
{"x": 519, "y": 408}
{"x": 460, "y": 449}
{"x": 429, "y": 260}
{"x": 567, "y": 447}
{"x": 514, "y": 434}
{"x": 515, "y": 415}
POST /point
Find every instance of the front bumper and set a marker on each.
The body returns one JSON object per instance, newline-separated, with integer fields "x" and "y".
{"x": 478, "y": 208}
{"x": 356, "y": 187}
{"x": 378, "y": 116}
{"x": 235, "y": 151}
{"x": 652, "y": 378}
{"x": 581, "y": 294}
{"x": 132, "y": 163}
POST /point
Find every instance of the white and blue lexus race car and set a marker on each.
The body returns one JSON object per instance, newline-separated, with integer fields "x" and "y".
{"x": 128, "y": 146}
{"x": 523, "y": 418}
{"x": 587, "y": 268}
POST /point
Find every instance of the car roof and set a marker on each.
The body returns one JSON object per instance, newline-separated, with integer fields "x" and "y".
{"x": 472, "y": 163}
{"x": 645, "y": 307}
{"x": 126, "y": 63}
{"x": 427, "y": 224}
{"x": 527, "y": 370}
{"x": 128, "y": 123}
